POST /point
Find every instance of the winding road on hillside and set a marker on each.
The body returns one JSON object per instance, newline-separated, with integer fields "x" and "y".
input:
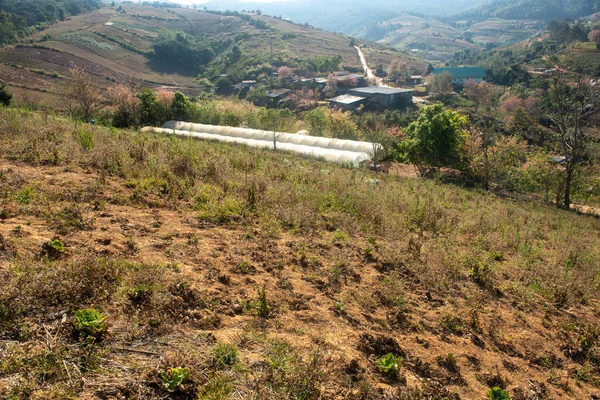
{"x": 370, "y": 75}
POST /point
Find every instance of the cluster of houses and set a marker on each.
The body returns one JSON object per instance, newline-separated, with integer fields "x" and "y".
{"x": 353, "y": 91}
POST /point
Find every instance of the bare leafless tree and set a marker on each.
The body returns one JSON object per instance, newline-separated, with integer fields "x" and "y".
{"x": 573, "y": 110}
{"x": 79, "y": 95}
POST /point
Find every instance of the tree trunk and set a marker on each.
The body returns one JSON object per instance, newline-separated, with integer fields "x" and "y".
{"x": 487, "y": 171}
{"x": 568, "y": 180}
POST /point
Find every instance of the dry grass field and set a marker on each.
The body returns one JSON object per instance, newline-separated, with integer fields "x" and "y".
{"x": 224, "y": 272}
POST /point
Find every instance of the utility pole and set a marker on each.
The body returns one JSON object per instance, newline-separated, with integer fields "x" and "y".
{"x": 271, "y": 45}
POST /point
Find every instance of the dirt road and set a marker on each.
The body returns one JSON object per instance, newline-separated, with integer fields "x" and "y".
{"x": 370, "y": 75}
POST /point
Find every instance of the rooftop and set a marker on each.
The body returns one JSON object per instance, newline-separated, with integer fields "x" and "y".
{"x": 278, "y": 92}
{"x": 347, "y": 99}
{"x": 380, "y": 90}
{"x": 463, "y": 72}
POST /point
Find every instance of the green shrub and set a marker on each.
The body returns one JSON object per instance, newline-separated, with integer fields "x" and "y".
{"x": 224, "y": 355}
{"x": 53, "y": 249}
{"x": 217, "y": 389}
{"x": 5, "y": 95}
{"x": 89, "y": 323}
{"x": 86, "y": 139}
{"x": 389, "y": 364}
{"x": 262, "y": 307}
{"x": 25, "y": 196}
{"x": 496, "y": 393}
{"x": 173, "y": 378}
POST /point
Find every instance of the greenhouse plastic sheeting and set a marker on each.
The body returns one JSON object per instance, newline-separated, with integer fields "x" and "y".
{"x": 346, "y": 152}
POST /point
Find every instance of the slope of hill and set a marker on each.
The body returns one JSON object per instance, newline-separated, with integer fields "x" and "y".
{"x": 115, "y": 45}
{"x": 221, "y": 270}
{"x": 438, "y": 41}
{"x": 20, "y": 17}
{"x": 346, "y": 16}
{"x": 546, "y": 10}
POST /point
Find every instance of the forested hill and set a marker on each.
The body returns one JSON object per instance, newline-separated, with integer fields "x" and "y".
{"x": 19, "y": 18}
{"x": 546, "y": 10}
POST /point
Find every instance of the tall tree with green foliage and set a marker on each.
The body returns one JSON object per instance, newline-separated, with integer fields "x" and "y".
{"x": 434, "y": 139}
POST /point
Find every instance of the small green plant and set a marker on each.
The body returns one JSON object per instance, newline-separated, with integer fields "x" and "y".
{"x": 89, "y": 323}
{"x": 389, "y": 364}
{"x": 369, "y": 254}
{"x": 339, "y": 237}
{"x": 242, "y": 268}
{"x": 224, "y": 355}
{"x": 86, "y": 139}
{"x": 449, "y": 361}
{"x": 25, "y": 196}
{"x": 452, "y": 324}
{"x": 4, "y": 214}
{"x": 53, "y": 249}
{"x": 140, "y": 294}
{"x": 217, "y": 389}
{"x": 262, "y": 307}
{"x": 496, "y": 393}
{"x": 173, "y": 378}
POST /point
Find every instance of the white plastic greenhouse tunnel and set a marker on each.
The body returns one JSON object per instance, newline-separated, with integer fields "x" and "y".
{"x": 346, "y": 152}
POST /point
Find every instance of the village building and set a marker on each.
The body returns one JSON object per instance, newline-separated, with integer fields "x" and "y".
{"x": 347, "y": 102}
{"x": 384, "y": 97}
{"x": 460, "y": 75}
{"x": 278, "y": 96}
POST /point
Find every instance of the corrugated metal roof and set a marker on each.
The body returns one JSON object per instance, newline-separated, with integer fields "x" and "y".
{"x": 278, "y": 92}
{"x": 463, "y": 72}
{"x": 347, "y": 99}
{"x": 379, "y": 90}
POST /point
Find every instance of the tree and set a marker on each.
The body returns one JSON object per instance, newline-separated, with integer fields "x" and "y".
{"x": 572, "y": 109}
{"x": 341, "y": 125}
{"x": 397, "y": 68}
{"x": 442, "y": 83}
{"x": 80, "y": 96}
{"x": 317, "y": 121}
{"x": 494, "y": 158}
{"x": 5, "y": 94}
{"x": 127, "y": 106}
{"x": 479, "y": 92}
{"x": 331, "y": 86}
{"x": 275, "y": 121}
{"x": 594, "y": 36}
{"x": 434, "y": 139}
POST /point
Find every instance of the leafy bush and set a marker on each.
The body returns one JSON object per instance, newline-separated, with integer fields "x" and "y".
{"x": 5, "y": 95}
{"x": 173, "y": 378}
{"x": 496, "y": 393}
{"x": 86, "y": 139}
{"x": 89, "y": 323}
{"x": 389, "y": 364}
{"x": 53, "y": 249}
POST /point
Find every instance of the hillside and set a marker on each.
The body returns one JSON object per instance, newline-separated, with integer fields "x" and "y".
{"x": 275, "y": 277}
{"x": 346, "y": 16}
{"x": 435, "y": 40}
{"x": 546, "y": 10}
{"x": 115, "y": 45}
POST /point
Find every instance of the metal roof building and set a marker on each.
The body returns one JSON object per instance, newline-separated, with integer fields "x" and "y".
{"x": 347, "y": 102}
{"x": 386, "y": 97}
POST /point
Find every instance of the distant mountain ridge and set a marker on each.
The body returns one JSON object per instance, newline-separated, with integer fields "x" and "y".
{"x": 346, "y": 16}
{"x": 546, "y": 10}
